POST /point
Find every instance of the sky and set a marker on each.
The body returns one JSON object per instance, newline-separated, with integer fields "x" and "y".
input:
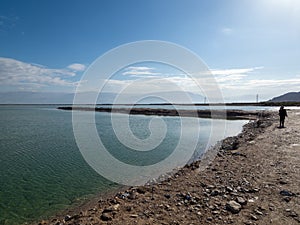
{"x": 250, "y": 46}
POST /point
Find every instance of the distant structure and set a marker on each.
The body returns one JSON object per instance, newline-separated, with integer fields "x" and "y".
{"x": 256, "y": 98}
{"x": 204, "y": 101}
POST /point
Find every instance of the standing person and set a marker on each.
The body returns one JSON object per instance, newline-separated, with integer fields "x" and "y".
{"x": 282, "y": 115}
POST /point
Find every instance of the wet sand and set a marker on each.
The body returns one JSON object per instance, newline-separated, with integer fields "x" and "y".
{"x": 254, "y": 179}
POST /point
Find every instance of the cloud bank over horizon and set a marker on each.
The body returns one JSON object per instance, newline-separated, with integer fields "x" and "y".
{"x": 236, "y": 84}
{"x": 16, "y": 75}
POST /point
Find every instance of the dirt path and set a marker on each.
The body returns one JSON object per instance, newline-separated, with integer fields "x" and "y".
{"x": 255, "y": 179}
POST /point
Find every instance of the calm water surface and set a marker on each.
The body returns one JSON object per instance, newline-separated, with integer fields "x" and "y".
{"x": 42, "y": 170}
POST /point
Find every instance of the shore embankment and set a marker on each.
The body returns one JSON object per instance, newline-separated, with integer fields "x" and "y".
{"x": 254, "y": 179}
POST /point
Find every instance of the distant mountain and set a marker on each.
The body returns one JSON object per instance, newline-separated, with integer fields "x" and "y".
{"x": 86, "y": 98}
{"x": 288, "y": 97}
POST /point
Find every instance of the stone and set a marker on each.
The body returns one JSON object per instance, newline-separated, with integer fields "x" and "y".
{"x": 286, "y": 193}
{"x": 215, "y": 212}
{"x": 106, "y": 217}
{"x": 293, "y": 214}
{"x": 287, "y": 198}
{"x": 188, "y": 197}
{"x": 258, "y": 212}
{"x": 68, "y": 217}
{"x": 132, "y": 196}
{"x": 230, "y": 143}
{"x": 167, "y": 196}
{"x": 134, "y": 215}
{"x": 241, "y": 200}
{"x": 233, "y": 206}
{"x": 251, "y": 200}
{"x": 229, "y": 189}
{"x": 111, "y": 208}
{"x": 59, "y": 223}
{"x": 215, "y": 192}
{"x": 253, "y": 217}
{"x": 283, "y": 182}
{"x": 141, "y": 190}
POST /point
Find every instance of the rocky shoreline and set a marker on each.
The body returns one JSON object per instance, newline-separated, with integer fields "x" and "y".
{"x": 254, "y": 179}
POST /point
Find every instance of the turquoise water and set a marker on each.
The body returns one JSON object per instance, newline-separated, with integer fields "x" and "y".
{"x": 42, "y": 170}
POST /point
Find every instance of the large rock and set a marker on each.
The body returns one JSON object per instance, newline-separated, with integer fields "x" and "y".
{"x": 230, "y": 143}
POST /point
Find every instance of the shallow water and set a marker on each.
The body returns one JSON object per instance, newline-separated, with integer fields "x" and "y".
{"x": 42, "y": 170}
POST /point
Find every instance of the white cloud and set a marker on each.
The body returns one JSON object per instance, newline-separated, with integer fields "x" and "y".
{"x": 232, "y": 83}
{"x": 18, "y": 73}
{"x": 153, "y": 85}
{"x": 234, "y": 71}
{"x": 264, "y": 87}
{"x": 76, "y": 67}
{"x": 140, "y": 71}
{"x": 168, "y": 82}
{"x": 232, "y": 75}
{"x": 273, "y": 83}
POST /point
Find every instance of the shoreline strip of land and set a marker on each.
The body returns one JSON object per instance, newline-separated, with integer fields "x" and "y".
{"x": 214, "y": 114}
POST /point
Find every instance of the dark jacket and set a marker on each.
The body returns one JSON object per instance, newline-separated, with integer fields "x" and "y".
{"x": 282, "y": 113}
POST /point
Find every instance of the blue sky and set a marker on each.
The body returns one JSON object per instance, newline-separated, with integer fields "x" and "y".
{"x": 251, "y": 46}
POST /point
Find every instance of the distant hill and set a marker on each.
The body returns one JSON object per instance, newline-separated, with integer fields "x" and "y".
{"x": 288, "y": 97}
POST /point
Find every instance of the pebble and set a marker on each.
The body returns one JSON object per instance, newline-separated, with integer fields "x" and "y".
{"x": 111, "y": 208}
{"x": 233, "y": 206}
{"x": 241, "y": 200}
{"x": 229, "y": 189}
{"x": 141, "y": 190}
{"x": 106, "y": 217}
{"x": 134, "y": 215}
{"x": 215, "y": 212}
{"x": 286, "y": 193}
{"x": 258, "y": 212}
{"x": 253, "y": 217}
{"x": 167, "y": 196}
{"x": 68, "y": 217}
{"x": 215, "y": 193}
{"x": 199, "y": 213}
{"x": 287, "y": 198}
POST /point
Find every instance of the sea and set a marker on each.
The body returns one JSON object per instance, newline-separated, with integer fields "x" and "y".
{"x": 43, "y": 172}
